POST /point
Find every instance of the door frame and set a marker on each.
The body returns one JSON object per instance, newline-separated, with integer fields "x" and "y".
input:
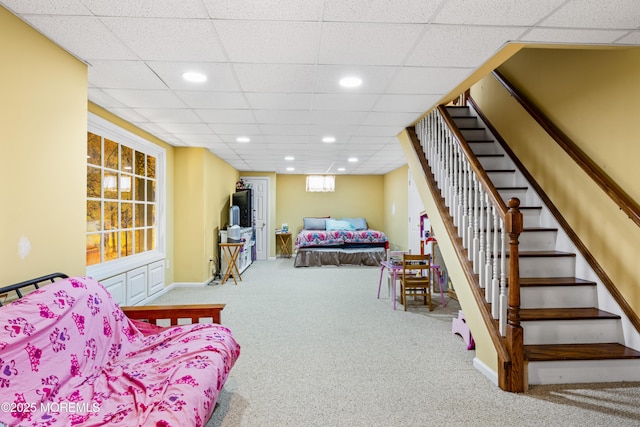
{"x": 267, "y": 233}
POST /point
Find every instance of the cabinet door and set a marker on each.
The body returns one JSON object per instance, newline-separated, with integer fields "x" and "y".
{"x": 156, "y": 277}
{"x": 136, "y": 285}
{"x": 116, "y": 286}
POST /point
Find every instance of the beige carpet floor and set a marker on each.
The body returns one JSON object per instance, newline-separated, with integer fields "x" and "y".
{"x": 319, "y": 349}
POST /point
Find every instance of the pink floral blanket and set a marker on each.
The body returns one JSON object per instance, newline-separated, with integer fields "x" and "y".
{"x": 69, "y": 356}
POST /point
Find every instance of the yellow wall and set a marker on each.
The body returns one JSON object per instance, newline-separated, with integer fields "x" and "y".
{"x": 43, "y": 125}
{"x": 203, "y": 186}
{"x": 355, "y": 196}
{"x": 591, "y": 95}
{"x": 396, "y": 209}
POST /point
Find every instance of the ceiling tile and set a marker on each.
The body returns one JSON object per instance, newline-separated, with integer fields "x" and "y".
{"x": 389, "y": 119}
{"x": 59, "y": 7}
{"x": 186, "y": 128}
{"x": 147, "y": 9}
{"x": 168, "y": 115}
{"x": 596, "y": 14}
{"x": 406, "y": 103}
{"x": 155, "y": 39}
{"x": 458, "y": 46}
{"x": 145, "y": 98}
{"x": 84, "y": 36}
{"x": 234, "y": 129}
{"x": 226, "y": 116}
{"x": 285, "y": 78}
{"x": 280, "y": 101}
{"x": 99, "y": 97}
{"x": 272, "y": 10}
{"x": 262, "y": 41}
{"x": 495, "y": 12}
{"x": 344, "y": 101}
{"x": 123, "y": 75}
{"x": 431, "y": 81}
{"x": 213, "y": 100}
{"x": 210, "y": 140}
{"x": 220, "y": 76}
{"x": 414, "y": 11}
{"x": 369, "y": 44}
{"x": 571, "y": 35}
{"x": 280, "y": 129}
{"x": 374, "y": 79}
{"x": 337, "y": 117}
{"x": 282, "y": 116}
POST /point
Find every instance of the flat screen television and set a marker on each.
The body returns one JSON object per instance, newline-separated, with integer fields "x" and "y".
{"x": 242, "y": 199}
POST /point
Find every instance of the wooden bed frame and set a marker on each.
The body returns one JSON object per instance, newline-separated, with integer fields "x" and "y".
{"x": 149, "y": 313}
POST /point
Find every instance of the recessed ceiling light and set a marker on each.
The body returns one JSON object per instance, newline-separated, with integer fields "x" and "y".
{"x": 243, "y": 139}
{"x": 350, "y": 81}
{"x": 341, "y": 169}
{"x": 289, "y": 158}
{"x": 194, "y": 77}
{"x": 290, "y": 169}
{"x": 329, "y": 139}
{"x": 353, "y": 159}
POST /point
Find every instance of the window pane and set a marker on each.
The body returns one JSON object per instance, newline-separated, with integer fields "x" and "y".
{"x": 151, "y": 167}
{"x": 151, "y": 239}
{"x": 126, "y": 159}
{"x": 94, "y": 149}
{"x": 151, "y": 191}
{"x": 126, "y": 215}
{"x": 94, "y": 184}
{"x": 125, "y": 187}
{"x": 111, "y": 246}
{"x": 140, "y": 164}
{"x": 93, "y": 249}
{"x": 94, "y": 216}
{"x": 139, "y": 241}
{"x": 110, "y": 185}
{"x": 110, "y": 215}
{"x": 111, "y": 157}
{"x": 126, "y": 243}
{"x": 151, "y": 215}
{"x": 140, "y": 189}
{"x": 139, "y": 215}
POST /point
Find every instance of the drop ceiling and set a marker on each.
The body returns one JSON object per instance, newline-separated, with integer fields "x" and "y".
{"x": 273, "y": 66}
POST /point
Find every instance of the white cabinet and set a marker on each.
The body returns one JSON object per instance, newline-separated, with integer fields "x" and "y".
{"x": 136, "y": 285}
{"x": 117, "y": 286}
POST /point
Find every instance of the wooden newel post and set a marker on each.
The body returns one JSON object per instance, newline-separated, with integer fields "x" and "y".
{"x": 514, "y": 335}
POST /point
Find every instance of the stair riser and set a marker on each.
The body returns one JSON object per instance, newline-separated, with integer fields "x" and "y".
{"x": 546, "y": 266}
{"x": 531, "y": 217}
{"x": 575, "y": 296}
{"x": 484, "y": 148}
{"x": 503, "y": 179}
{"x": 460, "y": 112}
{"x": 538, "y": 240}
{"x": 466, "y": 122}
{"x": 570, "y": 331}
{"x": 496, "y": 162}
{"x": 471, "y": 134}
{"x": 584, "y": 371}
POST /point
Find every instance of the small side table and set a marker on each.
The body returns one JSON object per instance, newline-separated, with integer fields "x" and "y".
{"x": 284, "y": 239}
{"x": 231, "y": 252}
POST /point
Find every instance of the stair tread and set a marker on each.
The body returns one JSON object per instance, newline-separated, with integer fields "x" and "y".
{"x": 500, "y": 170}
{"x": 529, "y": 314}
{"x": 539, "y": 229}
{"x": 526, "y": 254}
{"x": 599, "y": 351}
{"x": 512, "y": 188}
{"x": 553, "y": 281}
{"x": 489, "y": 155}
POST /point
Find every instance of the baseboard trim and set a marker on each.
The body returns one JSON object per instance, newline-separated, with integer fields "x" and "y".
{"x": 485, "y": 370}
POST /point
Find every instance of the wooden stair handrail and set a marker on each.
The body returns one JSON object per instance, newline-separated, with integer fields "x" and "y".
{"x": 582, "y": 248}
{"x": 510, "y": 350}
{"x": 604, "y": 181}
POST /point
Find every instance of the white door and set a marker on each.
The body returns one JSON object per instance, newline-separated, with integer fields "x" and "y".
{"x": 415, "y": 207}
{"x": 260, "y": 203}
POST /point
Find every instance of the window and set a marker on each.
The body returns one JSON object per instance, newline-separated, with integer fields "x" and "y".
{"x": 125, "y": 182}
{"x": 321, "y": 183}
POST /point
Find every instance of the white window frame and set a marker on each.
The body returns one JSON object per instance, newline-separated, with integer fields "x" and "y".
{"x": 107, "y": 129}
{"x": 321, "y": 183}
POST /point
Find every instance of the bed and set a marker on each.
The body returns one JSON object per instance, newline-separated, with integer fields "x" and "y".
{"x": 346, "y": 241}
{"x": 69, "y": 355}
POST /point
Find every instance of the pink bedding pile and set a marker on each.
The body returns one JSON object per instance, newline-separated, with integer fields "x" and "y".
{"x": 69, "y": 356}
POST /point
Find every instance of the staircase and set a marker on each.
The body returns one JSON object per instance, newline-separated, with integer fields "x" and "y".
{"x": 567, "y": 338}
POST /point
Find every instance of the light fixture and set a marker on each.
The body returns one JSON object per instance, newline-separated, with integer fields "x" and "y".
{"x": 194, "y": 77}
{"x": 243, "y": 139}
{"x": 329, "y": 139}
{"x": 289, "y": 158}
{"x": 353, "y": 159}
{"x": 341, "y": 169}
{"x": 290, "y": 169}
{"x": 350, "y": 81}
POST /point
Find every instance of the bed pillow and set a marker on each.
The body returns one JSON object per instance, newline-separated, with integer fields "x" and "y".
{"x": 358, "y": 223}
{"x": 310, "y": 223}
{"x": 334, "y": 224}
